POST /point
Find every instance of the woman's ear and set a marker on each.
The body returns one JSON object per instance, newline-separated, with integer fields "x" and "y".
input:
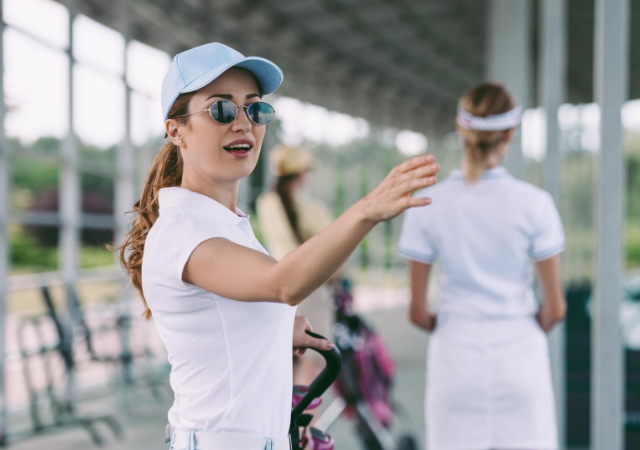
{"x": 173, "y": 132}
{"x": 508, "y": 135}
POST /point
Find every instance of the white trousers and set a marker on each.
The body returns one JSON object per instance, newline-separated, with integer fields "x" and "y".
{"x": 206, "y": 440}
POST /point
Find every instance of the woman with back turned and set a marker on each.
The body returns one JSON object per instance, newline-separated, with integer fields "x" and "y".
{"x": 488, "y": 376}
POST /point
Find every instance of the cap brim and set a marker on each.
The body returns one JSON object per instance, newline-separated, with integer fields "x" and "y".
{"x": 268, "y": 75}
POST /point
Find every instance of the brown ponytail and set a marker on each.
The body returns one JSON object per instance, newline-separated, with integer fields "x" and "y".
{"x": 283, "y": 189}
{"x": 165, "y": 171}
{"x": 485, "y": 99}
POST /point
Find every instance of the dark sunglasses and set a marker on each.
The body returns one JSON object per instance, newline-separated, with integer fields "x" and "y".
{"x": 225, "y": 111}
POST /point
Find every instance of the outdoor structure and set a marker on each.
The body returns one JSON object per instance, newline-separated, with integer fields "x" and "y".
{"x": 398, "y": 65}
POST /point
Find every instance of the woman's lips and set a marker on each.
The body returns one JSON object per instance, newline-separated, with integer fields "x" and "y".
{"x": 239, "y": 153}
{"x": 239, "y": 148}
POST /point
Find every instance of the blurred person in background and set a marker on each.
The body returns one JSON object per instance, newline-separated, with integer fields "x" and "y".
{"x": 223, "y": 308}
{"x": 488, "y": 371}
{"x": 288, "y": 218}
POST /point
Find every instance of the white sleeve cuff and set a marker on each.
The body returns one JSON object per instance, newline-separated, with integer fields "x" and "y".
{"x": 416, "y": 256}
{"x": 548, "y": 252}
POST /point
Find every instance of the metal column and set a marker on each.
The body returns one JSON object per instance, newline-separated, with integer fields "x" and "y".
{"x": 509, "y": 61}
{"x": 69, "y": 196}
{"x": 552, "y": 27}
{"x": 4, "y": 240}
{"x": 125, "y": 157}
{"x": 610, "y": 86}
{"x": 125, "y": 198}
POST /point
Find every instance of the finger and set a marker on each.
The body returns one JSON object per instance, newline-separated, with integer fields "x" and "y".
{"x": 413, "y": 202}
{"x": 321, "y": 344}
{"x": 301, "y": 351}
{"x": 420, "y": 172}
{"x": 417, "y": 174}
{"x": 414, "y": 162}
{"x": 416, "y": 184}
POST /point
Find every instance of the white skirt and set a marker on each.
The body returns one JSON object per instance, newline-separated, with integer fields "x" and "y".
{"x": 489, "y": 386}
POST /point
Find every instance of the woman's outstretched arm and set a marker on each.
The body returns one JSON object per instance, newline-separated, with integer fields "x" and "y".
{"x": 234, "y": 271}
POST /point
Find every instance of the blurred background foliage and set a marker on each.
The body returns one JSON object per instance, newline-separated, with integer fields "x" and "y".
{"x": 342, "y": 175}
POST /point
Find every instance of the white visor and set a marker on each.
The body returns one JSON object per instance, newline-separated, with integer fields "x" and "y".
{"x": 497, "y": 122}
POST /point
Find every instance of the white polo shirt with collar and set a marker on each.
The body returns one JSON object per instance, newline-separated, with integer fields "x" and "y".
{"x": 231, "y": 361}
{"x": 485, "y": 236}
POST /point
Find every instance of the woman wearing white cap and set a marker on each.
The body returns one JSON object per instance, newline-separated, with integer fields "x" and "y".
{"x": 488, "y": 376}
{"x": 223, "y": 308}
{"x": 287, "y": 219}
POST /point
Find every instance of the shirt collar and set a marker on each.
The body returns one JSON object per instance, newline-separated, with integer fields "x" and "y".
{"x": 172, "y": 197}
{"x": 490, "y": 174}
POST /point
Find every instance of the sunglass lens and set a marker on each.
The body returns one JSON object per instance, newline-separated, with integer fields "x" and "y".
{"x": 223, "y": 111}
{"x": 261, "y": 113}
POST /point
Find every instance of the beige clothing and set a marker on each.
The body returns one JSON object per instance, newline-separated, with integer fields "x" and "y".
{"x": 280, "y": 240}
{"x": 278, "y": 235}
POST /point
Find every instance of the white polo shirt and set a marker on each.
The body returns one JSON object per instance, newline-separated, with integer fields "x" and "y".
{"x": 231, "y": 361}
{"x": 485, "y": 236}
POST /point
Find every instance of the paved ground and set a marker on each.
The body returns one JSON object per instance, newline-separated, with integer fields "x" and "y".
{"x": 145, "y": 426}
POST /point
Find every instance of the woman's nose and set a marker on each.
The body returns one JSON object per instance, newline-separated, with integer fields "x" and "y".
{"x": 242, "y": 122}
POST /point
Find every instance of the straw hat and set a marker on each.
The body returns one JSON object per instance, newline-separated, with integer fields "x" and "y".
{"x": 285, "y": 161}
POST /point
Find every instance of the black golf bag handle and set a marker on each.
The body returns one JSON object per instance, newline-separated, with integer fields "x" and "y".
{"x": 323, "y": 381}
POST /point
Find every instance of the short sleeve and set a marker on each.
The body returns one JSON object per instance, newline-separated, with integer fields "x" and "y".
{"x": 180, "y": 237}
{"x": 548, "y": 235}
{"x": 416, "y": 243}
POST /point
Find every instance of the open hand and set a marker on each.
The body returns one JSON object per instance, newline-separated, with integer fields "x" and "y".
{"x": 393, "y": 194}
